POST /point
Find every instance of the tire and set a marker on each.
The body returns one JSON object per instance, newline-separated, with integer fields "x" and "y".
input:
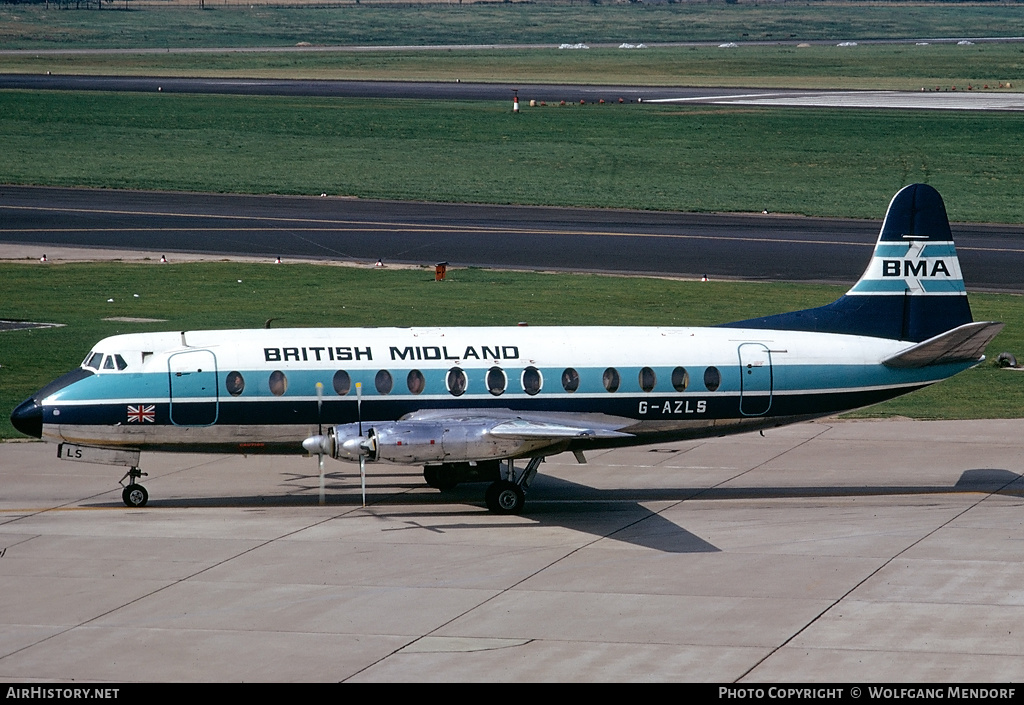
{"x": 504, "y": 497}
{"x": 134, "y": 496}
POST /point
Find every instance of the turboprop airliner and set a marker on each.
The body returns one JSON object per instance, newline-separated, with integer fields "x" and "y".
{"x": 468, "y": 403}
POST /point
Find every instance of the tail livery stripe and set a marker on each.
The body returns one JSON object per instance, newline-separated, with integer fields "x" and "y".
{"x": 921, "y": 268}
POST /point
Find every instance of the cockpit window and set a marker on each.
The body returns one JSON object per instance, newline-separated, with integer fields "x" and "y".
{"x": 110, "y": 362}
{"x": 99, "y": 361}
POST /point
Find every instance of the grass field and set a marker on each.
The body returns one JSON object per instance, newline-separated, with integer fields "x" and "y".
{"x": 892, "y": 67}
{"x": 366, "y": 23}
{"x": 821, "y": 162}
{"x": 818, "y": 162}
{"x": 209, "y": 295}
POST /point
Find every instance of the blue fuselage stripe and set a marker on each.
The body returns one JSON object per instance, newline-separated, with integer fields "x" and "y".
{"x": 785, "y": 379}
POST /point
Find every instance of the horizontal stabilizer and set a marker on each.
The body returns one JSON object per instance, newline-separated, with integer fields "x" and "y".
{"x": 965, "y": 343}
{"x": 522, "y": 428}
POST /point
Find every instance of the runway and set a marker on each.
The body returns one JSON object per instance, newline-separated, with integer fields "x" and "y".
{"x": 740, "y": 560}
{"x": 753, "y": 246}
{"x": 926, "y": 99}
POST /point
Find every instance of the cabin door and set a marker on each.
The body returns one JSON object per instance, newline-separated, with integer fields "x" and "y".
{"x": 755, "y": 379}
{"x": 193, "y": 386}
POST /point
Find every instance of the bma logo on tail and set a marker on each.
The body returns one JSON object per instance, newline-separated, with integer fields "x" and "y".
{"x": 912, "y": 268}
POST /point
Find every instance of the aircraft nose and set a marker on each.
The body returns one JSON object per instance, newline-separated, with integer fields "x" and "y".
{"x": 28, "y": 418}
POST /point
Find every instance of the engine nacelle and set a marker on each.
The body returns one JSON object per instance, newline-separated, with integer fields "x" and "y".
{"x": 415, "y": 442}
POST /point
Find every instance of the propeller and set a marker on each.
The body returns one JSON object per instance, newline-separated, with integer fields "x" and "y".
{"x": 362, "y": 455}
{"x": 320, "y": 432}
{"x": 341, "y": 446}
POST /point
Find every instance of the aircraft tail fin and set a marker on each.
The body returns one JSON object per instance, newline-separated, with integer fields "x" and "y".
{"x": 912, "y": 288}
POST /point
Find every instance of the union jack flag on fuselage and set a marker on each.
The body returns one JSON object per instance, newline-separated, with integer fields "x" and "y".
{"x": 142, "y": 414}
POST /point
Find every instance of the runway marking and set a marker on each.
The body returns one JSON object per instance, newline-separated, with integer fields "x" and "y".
{"x": 927, "y": 100}
{"x": 399, "y": 227}
{"x": 426, "y": 230}
{"x": 37, "y": 510}
{"x": 705, "y": 98}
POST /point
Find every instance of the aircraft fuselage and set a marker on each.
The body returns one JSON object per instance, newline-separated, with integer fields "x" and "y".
{"x": 253, "y": 391}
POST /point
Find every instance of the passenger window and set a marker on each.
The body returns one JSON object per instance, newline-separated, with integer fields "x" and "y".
{"x": 712, "y": 378}
{"x": 383, "y": 382}
{"x": 416, "y": 381}
{"x": 610, "y": 379}
{"x": 680, "y": 379}
{"x": 456, "y": 381}
{"x": 342, "y": 383}
{"x": 278, "y": 383}
{"x": 570, "y": 380}
{"x": 496, "y": 381}
{"x": 647, "y": 379}
{"x": 532, "y": 380}
{"x": 234, "y": 383}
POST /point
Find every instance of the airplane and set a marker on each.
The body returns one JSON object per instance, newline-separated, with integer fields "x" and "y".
{"x": 467, "y": 403}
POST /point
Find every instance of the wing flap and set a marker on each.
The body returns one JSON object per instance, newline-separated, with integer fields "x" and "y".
{"x": 964, "y": 343}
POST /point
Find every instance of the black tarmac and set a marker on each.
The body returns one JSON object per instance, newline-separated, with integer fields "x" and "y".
{"x": 754, "y": 246}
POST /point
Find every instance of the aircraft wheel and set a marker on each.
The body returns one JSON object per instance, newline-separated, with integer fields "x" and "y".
{"x": 439, "y": 477}
{"x": 504, "y": 497}
{"x": 134, "y": 496}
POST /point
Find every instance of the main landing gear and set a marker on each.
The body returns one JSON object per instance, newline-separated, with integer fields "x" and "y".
{"x": 509, "y": 495}
{"x": 133, "y": 495}
{"x": 505, "y": 495}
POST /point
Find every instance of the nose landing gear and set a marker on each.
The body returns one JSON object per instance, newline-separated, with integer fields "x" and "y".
{"x": 133, "y": 495}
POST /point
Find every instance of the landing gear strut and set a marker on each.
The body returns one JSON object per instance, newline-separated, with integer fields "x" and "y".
{"x": 133, "y": 495}
{"x": 509, "y": 496}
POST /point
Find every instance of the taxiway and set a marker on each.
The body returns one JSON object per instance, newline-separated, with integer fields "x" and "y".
{"x": 36, "y": 221}
{"x": 748, "y": 559}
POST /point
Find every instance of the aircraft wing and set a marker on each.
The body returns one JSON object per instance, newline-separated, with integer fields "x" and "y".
{"x": 506, "y": 423}
{"x": 965, "y": 343}
{"x": 525, "y": 428}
